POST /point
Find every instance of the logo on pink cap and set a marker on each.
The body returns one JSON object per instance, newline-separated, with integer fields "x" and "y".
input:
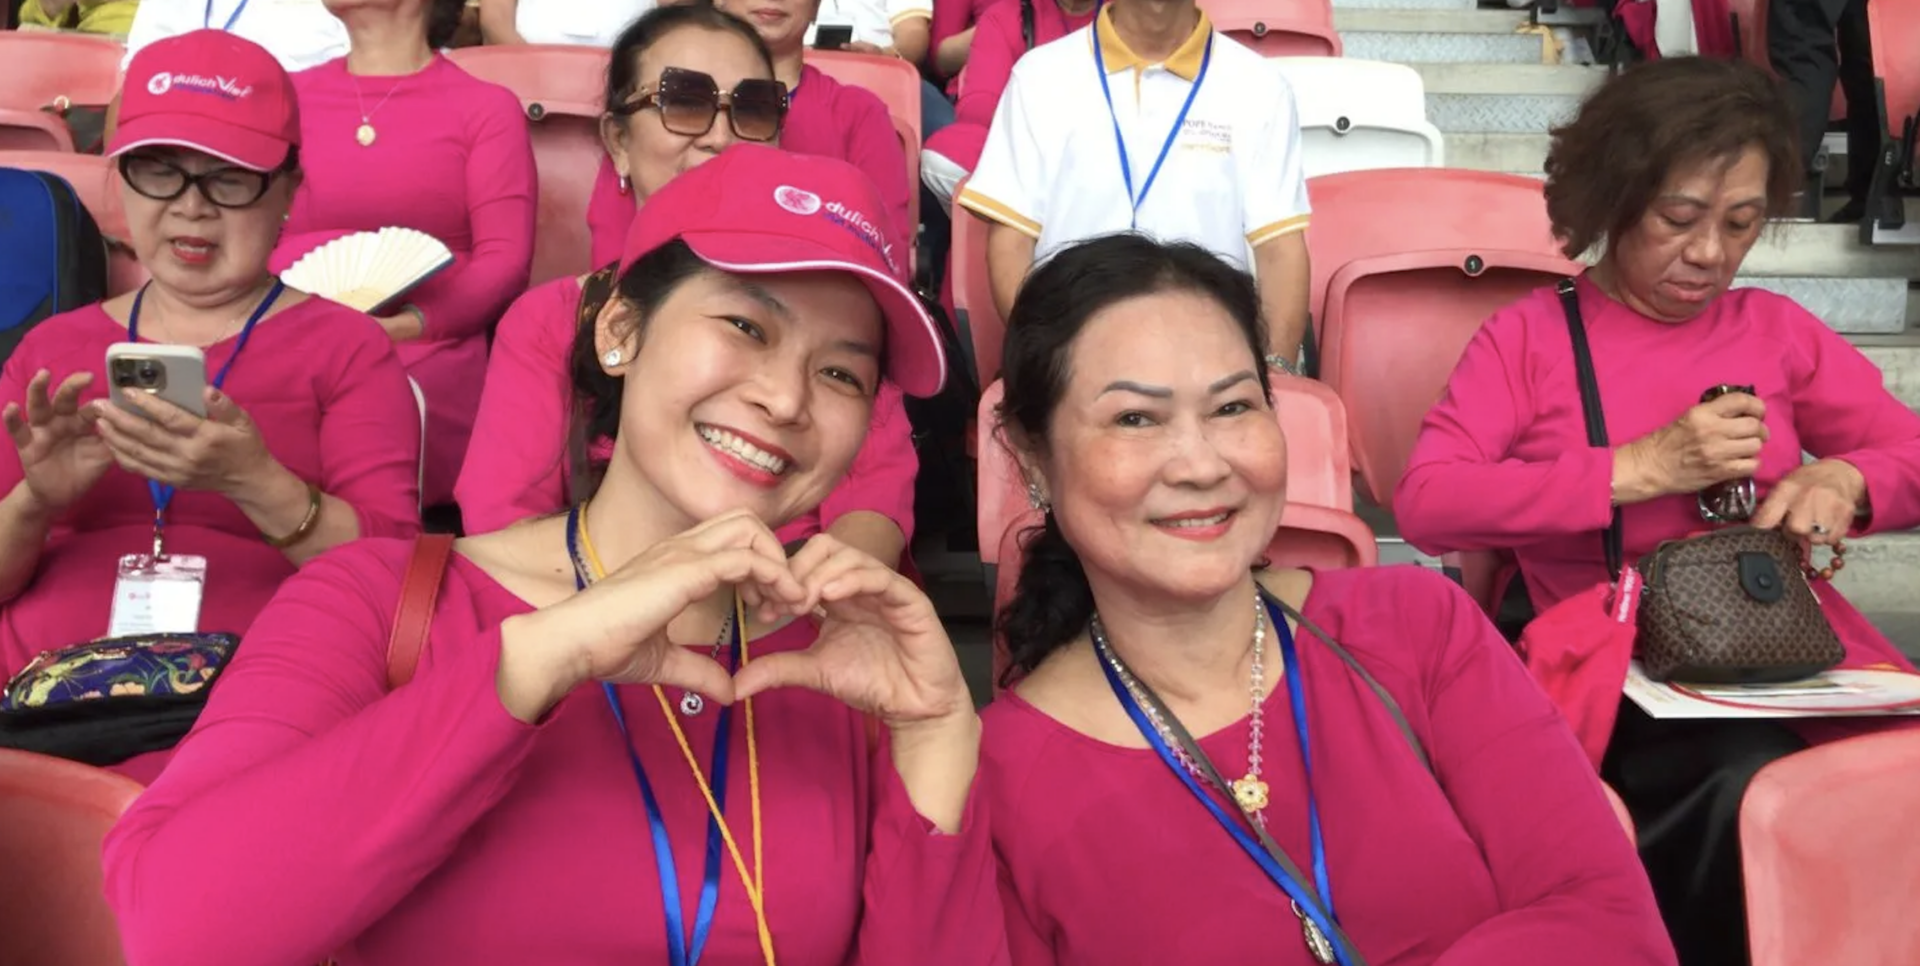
{"x": 226, "y": 87}
{"x": 797, "y": 200}
{"x": 868, "y": 232}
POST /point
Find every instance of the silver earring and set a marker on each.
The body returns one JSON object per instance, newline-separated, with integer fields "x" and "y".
{"x": 1036, "y": 499}
{"x": 613, "y": 358}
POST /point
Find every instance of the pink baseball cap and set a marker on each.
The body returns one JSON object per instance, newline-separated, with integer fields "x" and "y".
{"x": 758, "y": 210}
{"x": 213, "y": 92}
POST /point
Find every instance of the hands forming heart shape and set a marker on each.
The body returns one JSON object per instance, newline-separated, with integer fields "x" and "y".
{"x": 881, "y": 649}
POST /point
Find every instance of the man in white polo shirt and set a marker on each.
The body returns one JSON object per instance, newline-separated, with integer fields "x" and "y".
{"x": 1149, "y": 120}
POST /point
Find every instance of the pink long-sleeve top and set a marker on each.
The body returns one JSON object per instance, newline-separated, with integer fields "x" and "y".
{"x": 997, "y": 45}
{"x": 1505, "y": 854}
{"x": 332, "y": 405}
{"x": 312, "y": 812}
{"x": 825, "y": 118}
{"x": 1502, "y": 460}
{"x": 952, "y": 17}
{"x": 517, "y": 465}
{"x": 453, "y": 159}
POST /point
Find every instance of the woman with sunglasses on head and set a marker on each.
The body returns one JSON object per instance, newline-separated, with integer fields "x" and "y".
{"x": 398, "y": 136}
{"x": 824, "y": 117}
{"x": 1209, "y": 760}
{"x": 534, "y": 793}
{"x": 298, "y": 450}
{"x": 665, "y": 116}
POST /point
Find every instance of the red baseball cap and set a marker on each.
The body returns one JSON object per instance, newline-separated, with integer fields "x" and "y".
{"x": 758, "y": 210}
{"x": 213, "y": 92}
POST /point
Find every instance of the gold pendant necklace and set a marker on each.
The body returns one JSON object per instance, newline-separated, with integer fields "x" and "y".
{"x": 365, "y": 134}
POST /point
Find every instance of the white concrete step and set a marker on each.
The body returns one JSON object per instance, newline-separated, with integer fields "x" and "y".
{"x": 1481, "y": 151}
{"x": 1882, "y": 573}
{"x": 1462, "y": 5}
{"x": 1443, "y": 48}
{"x": 1504, "y": 98}
{"x": 1898, "y": 357}
{"x": 1435, "y": 21}
{"x": 1438, "y": 36}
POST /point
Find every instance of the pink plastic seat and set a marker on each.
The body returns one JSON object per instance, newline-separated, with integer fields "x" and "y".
{"x": 562, "y": 88}
{"x": 897, "y": 84}
{"x": 46, "y": 74}
{"x": 1832, "y": 854}
{"x": 96, "y": 182}
{"x": 1278, "y": 28}
{"x": 54, "y": 814}
{"x": 1362, "y": 214}
{"x": 1895, "y": 27}
{"x": 973, "y": 292}
{"x": 1395, "y": 326}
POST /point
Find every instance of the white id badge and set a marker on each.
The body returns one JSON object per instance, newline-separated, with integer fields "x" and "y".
{"x": 157, "y": 595}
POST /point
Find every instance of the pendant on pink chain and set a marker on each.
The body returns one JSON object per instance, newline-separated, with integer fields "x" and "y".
{"x": 365, "y": 135}
{"x": 1250, "y": 793}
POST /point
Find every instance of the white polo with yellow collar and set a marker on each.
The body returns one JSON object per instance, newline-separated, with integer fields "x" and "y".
{"x": 1232, "y": 179}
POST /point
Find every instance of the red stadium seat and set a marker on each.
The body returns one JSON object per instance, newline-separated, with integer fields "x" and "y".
{"x": 1896, "y": 58}
{"x": 46, "y": 74}
{"x": 22, "y": 130}
{"x": 562, "y": 88}
{"x": 897, "y": 84}
{"x": 1278, "y": 28}
{"x": 54, "y": 814}
{"x": 1360, "y": 214}
{"x": 1832, "y": 855}
{"x": 973, "y": 292}
{"x": 97, "y": 183}
{"x": 1396, "y": 324}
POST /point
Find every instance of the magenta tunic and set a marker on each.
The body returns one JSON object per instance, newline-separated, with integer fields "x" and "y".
{"x": 332, "y": 405}
{"x": 827, "y": 118}
{"x": 517, "y": 465}
{"x": 312, "y": 811}
{"x": 1506, "y": 854}
{"x": 453, "y": 159}
{"x": 997, "y": 45}
{"x": 1502, "y": 461}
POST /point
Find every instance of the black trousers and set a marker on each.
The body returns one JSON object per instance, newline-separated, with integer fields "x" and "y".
{"x": 1812, "y": 44}
{"x": 1682, "y": 781}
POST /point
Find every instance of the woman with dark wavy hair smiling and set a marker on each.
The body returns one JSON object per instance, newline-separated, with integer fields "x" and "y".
{"x": 1674, "y": 168}
{"x": 1400, "y": 792}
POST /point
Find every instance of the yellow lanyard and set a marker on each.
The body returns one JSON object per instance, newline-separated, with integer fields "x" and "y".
{"x": 753, "y": 882}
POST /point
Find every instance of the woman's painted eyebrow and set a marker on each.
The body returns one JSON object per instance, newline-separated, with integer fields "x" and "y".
{"x": 1162, "y": 392}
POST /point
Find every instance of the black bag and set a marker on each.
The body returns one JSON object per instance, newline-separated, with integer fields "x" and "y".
{"x": 943, "y": 490}
{"x": 110, "y": 700}
{"x": 55, "y": 258}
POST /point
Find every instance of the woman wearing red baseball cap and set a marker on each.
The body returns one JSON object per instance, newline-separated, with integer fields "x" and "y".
{"x": 533, "y": 793}
{"x": 295, "y": 446}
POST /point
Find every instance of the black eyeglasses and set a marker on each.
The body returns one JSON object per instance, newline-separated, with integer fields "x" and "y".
{"x": 689, "y": 100}
{"x": 162, "y": 180}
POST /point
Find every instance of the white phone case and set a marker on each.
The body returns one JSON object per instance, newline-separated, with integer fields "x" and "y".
{"x": 175, "y": 373}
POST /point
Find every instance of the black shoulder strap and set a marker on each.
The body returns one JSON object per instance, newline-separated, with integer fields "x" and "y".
{"x": 1590, "y": 404}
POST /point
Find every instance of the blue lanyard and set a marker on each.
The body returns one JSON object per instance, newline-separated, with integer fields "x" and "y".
{"x": 677, "y": 952}
{"x": 1120, "y": 141}
{"x": 162, "y": 493}
{"x": 206, "y": 18}
{"x": 1296, "y": 696}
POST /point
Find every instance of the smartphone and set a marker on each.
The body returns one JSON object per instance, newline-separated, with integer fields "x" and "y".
{"x": 832, "y": 36}
{"x": 175, "y": 373}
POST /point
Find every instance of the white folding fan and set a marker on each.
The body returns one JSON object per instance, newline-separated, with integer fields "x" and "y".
{"x": 368, "y": 270}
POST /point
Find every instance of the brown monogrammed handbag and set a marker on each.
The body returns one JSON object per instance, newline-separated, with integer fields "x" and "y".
{"x": 1734, "y": 606}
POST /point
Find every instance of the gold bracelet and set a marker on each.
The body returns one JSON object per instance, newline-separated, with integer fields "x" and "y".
{"x": 307, "y": 526}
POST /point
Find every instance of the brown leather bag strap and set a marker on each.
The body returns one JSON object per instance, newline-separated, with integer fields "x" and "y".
{"x": 419, "y": 590}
